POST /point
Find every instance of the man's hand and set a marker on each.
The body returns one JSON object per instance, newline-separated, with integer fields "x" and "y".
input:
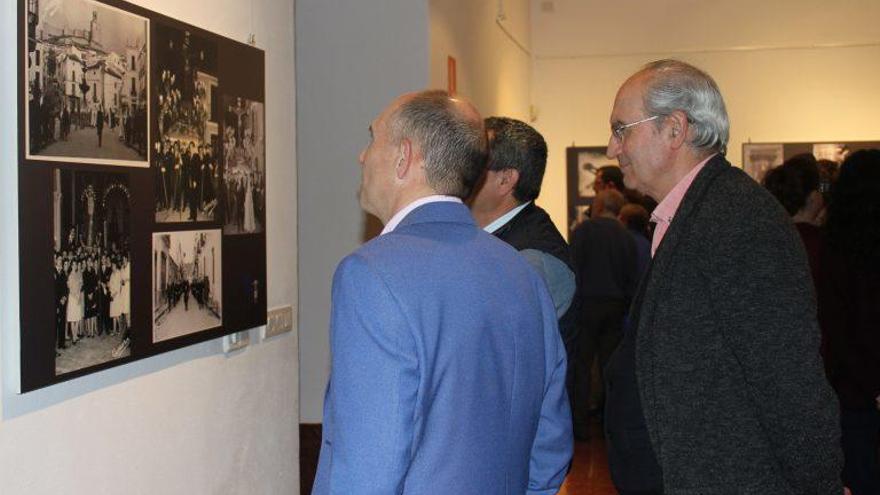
{"x": 877, "y": 402}
{"x": 846, "y": 491}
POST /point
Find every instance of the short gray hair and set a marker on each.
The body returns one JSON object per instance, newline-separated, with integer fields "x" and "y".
{"x": 674, "y": 85}
{"x": 453, "y": 145}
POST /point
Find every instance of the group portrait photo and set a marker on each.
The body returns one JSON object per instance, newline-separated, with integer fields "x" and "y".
{"x": 91, "y": 271}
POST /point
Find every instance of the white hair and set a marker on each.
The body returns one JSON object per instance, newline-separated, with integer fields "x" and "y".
{"x": 674, "y": 85}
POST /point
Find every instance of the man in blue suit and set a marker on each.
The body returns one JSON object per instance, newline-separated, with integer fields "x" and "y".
{"x": 448, "y": 371}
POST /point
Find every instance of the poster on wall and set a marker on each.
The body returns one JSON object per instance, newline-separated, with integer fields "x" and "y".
{"x": 142, "y": 186}
{"x": 758, "y": 158}
{"x": 87, "y": 83}
{"x": 582, "y": 164}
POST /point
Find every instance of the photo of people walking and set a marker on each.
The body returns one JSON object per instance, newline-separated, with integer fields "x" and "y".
{"x": 187, "y": 291}
{"x": 185, "y": 151}
{"x": 87, "y": 84}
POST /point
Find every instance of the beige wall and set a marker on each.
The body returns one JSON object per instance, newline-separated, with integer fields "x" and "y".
{"x": 789, "y": 71}
{"x": 191, "y": 421}
{"x": 492, "y": 70}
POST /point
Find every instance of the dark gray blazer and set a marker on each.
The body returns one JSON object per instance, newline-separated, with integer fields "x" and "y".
{"x": 727, "y": 357}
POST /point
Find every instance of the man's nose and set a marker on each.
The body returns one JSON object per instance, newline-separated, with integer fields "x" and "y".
{"x": 613, "y": 147}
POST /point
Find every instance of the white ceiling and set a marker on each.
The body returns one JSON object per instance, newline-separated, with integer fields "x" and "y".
{"x": 574, "y": 28}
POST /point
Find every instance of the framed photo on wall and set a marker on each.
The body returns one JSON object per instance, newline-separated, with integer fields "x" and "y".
{"x": 582, "y": 163}
{"x": 758, "y": 158}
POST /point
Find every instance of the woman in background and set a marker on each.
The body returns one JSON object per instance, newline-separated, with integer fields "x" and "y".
{"x": 849, "y": 312}
{"x": 795, "y": 184}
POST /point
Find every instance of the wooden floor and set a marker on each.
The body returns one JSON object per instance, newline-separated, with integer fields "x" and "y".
{"x": 589, "y": 469}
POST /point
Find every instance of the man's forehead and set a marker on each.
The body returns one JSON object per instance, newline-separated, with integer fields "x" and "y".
{"x": 629, "y": 96}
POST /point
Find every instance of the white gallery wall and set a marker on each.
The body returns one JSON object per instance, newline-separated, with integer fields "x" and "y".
{"x": 490, "y": 41}
{"x": 353, "y": 58}
{"x": 192, "y": 421}
{"x": 790, "y": 70}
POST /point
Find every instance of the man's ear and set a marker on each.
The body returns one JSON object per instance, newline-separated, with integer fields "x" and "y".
{"x": 677, "y": 128}
{"x": 507, "y": 180}
{"x": 405, "y": 158}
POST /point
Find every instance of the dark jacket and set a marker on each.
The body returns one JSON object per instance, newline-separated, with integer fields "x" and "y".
{"x": 849, "y": 310}
{"x": 731, "y": 385}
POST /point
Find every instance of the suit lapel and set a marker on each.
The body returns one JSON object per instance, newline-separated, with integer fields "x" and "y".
{"x": 644, "y": 306}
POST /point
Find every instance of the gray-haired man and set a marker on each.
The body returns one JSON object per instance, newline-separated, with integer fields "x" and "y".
{"x": 717, "y": 386}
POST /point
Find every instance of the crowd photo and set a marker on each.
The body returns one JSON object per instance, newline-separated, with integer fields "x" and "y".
{"x": 185, "y": 152}
{"x": 91, "y": 268}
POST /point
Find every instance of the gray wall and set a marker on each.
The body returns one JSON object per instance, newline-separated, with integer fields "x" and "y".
{"x": 352, "y": 58}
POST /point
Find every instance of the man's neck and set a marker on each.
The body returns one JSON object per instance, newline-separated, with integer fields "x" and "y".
{"x": 682, "y": 166}
{"x": 487, "y": 216}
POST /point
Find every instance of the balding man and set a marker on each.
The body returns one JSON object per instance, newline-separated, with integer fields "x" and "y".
{"x": 717, "y": 386}
{"x": 448, "y": 372}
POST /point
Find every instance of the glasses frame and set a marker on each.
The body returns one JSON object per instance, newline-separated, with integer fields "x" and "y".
{"x": 618, "y": 130}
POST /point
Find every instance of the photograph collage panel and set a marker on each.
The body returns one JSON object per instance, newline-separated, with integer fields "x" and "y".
{"x": 143, "y": 154}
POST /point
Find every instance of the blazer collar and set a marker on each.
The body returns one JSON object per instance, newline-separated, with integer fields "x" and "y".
{"x": 691, "y": 201}
{"x": 442, "y": 211}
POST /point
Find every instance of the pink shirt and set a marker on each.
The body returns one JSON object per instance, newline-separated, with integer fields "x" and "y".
{"x": 665, "y": 211}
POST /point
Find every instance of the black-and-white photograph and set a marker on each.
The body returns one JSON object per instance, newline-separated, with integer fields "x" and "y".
{"x": 244, "y": 171}
{"x": 187, "y": 290}
{"x": 588, "y": 163}
{"x": 92, "y": 268}
{"x": 187, "y": 143}
{"x": 87, "y": 78}
{"x": 836, "y": 152}
{"x": 759, "y": 158}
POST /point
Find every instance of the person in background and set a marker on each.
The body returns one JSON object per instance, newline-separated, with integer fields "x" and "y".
{"x": 795, "y": 184}
{"x": 635, "y": 218}
{"x": 849, "y": 311}
{"x": 604, "y": 255}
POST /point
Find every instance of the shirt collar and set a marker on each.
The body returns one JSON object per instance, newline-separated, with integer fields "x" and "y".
{"x": 400, "y": 215}
{"x": 503, "y": 219}
{"x": 665, "y": 210}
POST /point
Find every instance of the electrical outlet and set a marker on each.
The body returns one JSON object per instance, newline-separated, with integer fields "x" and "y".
{"x": 278, "y": 321}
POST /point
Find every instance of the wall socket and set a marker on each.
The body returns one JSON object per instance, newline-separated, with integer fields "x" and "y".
{"x": 278, "y": 321}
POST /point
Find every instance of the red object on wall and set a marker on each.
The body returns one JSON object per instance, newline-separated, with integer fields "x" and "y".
{"x": 452, "y": 82}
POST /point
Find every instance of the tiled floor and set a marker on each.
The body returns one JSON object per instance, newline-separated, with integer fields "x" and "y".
{"x": 589, "y": 470}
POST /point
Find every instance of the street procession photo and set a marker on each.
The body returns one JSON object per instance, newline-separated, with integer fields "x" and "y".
{"x": 87, "y": 80}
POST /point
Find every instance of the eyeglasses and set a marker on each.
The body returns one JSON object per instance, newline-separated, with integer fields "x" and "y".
{"x": 618, "y": 130}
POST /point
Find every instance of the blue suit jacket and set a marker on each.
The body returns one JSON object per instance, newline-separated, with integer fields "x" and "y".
{"x": 448, "y": 371}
